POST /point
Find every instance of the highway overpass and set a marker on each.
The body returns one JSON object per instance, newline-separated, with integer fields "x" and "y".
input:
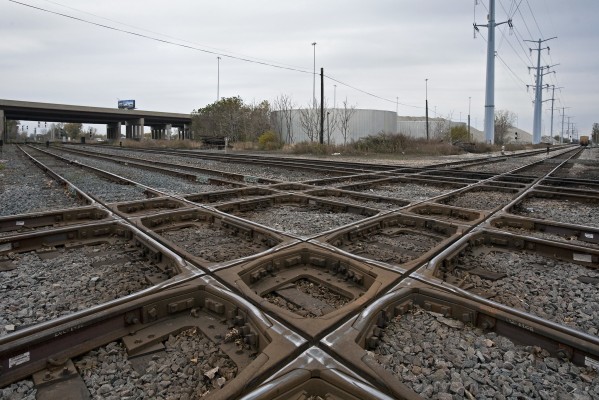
{"x": 114, "y": 118}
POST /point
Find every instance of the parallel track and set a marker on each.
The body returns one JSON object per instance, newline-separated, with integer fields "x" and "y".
{"x": 414, "y": 245}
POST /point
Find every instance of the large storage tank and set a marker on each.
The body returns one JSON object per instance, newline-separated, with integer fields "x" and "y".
{"x": 362, "y": 123}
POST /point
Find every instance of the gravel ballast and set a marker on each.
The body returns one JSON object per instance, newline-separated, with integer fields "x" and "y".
{"x": 160, "y": 181}
{"x": 190, "y": 367}
{"x": 299, "y": 220}
{"x": 569, "y": 212}
{"x": 217, "y": 245}
{"x": 252, "y": 170}
{"x": 24, "y": 188}
{"x": 479, "y": 199}
{"x": 43, "y": 286}
{"x": 551, "y": 289}
{"x": 407, "y": 191}
{"x": 101, "y": 188}
{"x": 444, "y": 359}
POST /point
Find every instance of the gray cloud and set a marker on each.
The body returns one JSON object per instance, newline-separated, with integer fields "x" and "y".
{"x": 387, "y": 47}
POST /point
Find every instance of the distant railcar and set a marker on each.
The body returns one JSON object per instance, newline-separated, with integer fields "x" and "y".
{"x": 584, "y": 140}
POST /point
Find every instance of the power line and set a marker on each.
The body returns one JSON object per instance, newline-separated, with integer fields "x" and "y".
{"x": 161, "y": 40}
{"x": 534, "y": 18}
{"x": 167, "y": 36}
{"x": 508, "y": 67}
{"x": 213, "y": 52}
{"x": 370, "y": 94}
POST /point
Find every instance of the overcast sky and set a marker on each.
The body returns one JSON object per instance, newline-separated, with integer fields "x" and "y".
{"x": 384, "y": 47}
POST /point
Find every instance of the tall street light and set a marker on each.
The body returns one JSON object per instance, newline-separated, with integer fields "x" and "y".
{"x": 218, "y": 79}
{"x": 334, "y": 97}
{"x": 426, "y": 97}
{"x": 469, "y": 103}
{"x": 314, "y": 78}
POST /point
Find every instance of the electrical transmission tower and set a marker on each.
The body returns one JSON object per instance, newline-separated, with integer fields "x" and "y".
{"x": 561, "y": 137}
{"x": 552, "y": 99}
{"x": 536, "y": 124}
{"x": 490, "y": 85}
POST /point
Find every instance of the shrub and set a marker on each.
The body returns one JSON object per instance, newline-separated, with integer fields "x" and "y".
{"x": 269, "y": 140}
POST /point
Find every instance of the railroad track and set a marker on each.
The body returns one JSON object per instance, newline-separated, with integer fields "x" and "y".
{"x": 155, "y": 274}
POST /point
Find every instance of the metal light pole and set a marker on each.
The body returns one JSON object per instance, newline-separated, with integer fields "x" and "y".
{"x": 314, "y": 78}
{"x": 218, "y": 79}
{"x": 469, "y": 104}
{"x": 426, "y": 103}
{"x": 334, "y": 97}
{"x": 328, "y": 129}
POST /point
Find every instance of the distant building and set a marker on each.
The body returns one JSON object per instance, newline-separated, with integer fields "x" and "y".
{"x": 437, "y": 127}
{"x": 370, "y": 122}
{"x": 522, "y": 137}
{"x": 361, "y": 124}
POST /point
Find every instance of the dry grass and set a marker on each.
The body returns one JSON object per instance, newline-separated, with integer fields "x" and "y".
{"x": 161, "y": 144}
{"x": 382, "y": 144}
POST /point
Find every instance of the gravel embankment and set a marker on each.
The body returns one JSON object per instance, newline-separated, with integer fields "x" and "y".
{"x": 24, "y": 188}
{"x": 444, "y": 359}
{"x": 559, "y": 210}
{"x": 90, "y": 183}
{"x": 190, "y": 366}
{"x": 550, "y": 289}
{"x": 43, "y": 286}
{"x": 299, "y": 220}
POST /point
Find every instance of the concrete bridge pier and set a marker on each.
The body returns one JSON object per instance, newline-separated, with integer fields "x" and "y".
{"x": 186, "y": 131}
{"x": 113, "y": 131}
{"x": 161, "y": 131}
{"x": 3, "y": 130}
{"x": 134, "y": 129}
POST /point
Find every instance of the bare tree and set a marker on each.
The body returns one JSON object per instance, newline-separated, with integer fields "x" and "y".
{"x": 331, "y": 122}
{"x": 504, "y": 120}
{"x": 442, "y": 128}
{"x": 310, "y": 121}
{"x": 345, "y": 116}
{"x": 283, "y": 122}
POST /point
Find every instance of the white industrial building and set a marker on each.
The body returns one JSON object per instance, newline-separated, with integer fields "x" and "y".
{"x": 368, "y": 122}
{"x": 361, "y": 124}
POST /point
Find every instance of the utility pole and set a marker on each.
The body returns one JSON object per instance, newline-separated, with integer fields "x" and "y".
{"x": 218, "y": 79}
{"x": 469, "y": 103}
{"x": 490, "y": 83}
{"x": 314, "y": 78}
{"x": 552, "y": 107}
{"x": 561, "y": 136}
{"x": 569, "y": 132}
{"x": 426, "y": 105}
{"x": 334, "y": 96}
{"x": 536, "y": 130}
{"x": 321, "y": 105}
